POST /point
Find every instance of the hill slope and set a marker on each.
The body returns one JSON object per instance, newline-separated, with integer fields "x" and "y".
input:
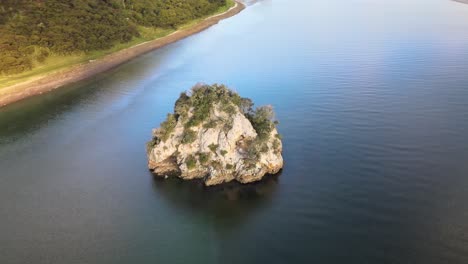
{"x": 32, "y": 30}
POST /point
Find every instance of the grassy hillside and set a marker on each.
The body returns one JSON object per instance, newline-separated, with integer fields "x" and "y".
{"x": 37, "y": 36}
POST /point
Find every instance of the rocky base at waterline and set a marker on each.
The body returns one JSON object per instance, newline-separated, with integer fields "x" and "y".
{"x": 216, "y": 135}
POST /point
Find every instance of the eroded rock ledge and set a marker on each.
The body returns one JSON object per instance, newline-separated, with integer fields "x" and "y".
{"x": 216, "y": 135}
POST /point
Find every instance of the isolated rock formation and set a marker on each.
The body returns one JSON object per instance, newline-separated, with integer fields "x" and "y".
{"x": 216, "y": 136}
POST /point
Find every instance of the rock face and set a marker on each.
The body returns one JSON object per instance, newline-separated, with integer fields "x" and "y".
{"x": 216, "y": 136}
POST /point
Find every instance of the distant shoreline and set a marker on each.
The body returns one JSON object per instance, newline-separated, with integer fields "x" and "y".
{"x": 84, "y": 71}
{"x": 461, "y": 1}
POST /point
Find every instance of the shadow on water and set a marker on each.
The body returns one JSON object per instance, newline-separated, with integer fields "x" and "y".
{"x": 229, "y": 204}
{"x": 26, "y": 116}
{"x": 31, "y": 114}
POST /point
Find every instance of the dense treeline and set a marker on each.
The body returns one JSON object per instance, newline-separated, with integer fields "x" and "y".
{"x": 32, "y": 29}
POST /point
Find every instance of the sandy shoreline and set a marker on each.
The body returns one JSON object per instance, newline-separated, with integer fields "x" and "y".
{"x": 84, "y": 71}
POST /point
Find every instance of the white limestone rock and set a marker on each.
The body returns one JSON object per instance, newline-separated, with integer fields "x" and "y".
{"x": 222, "y": 146}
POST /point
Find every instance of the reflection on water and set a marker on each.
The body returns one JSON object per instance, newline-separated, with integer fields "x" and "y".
{"x": 229, "y": 205}
{"x": 198, "y": 194}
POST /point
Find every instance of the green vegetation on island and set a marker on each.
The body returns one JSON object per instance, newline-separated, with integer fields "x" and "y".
{"x": 194, "y": 109}
{"x": 217, "y": 136}
{"x": 200, "y": 100}
{"x": 33, "y": 32}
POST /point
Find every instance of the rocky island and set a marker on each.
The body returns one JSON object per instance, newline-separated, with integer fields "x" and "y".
{"x": 216, "y": 136}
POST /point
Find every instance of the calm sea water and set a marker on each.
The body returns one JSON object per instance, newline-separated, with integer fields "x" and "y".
{"x": 372, "y": 96}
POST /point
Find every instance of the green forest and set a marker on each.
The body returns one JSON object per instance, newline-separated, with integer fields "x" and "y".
{"x": 31, "y": 30}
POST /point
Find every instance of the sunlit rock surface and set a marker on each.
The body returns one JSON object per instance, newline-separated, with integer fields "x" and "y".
{"x": 216, "y": 136}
